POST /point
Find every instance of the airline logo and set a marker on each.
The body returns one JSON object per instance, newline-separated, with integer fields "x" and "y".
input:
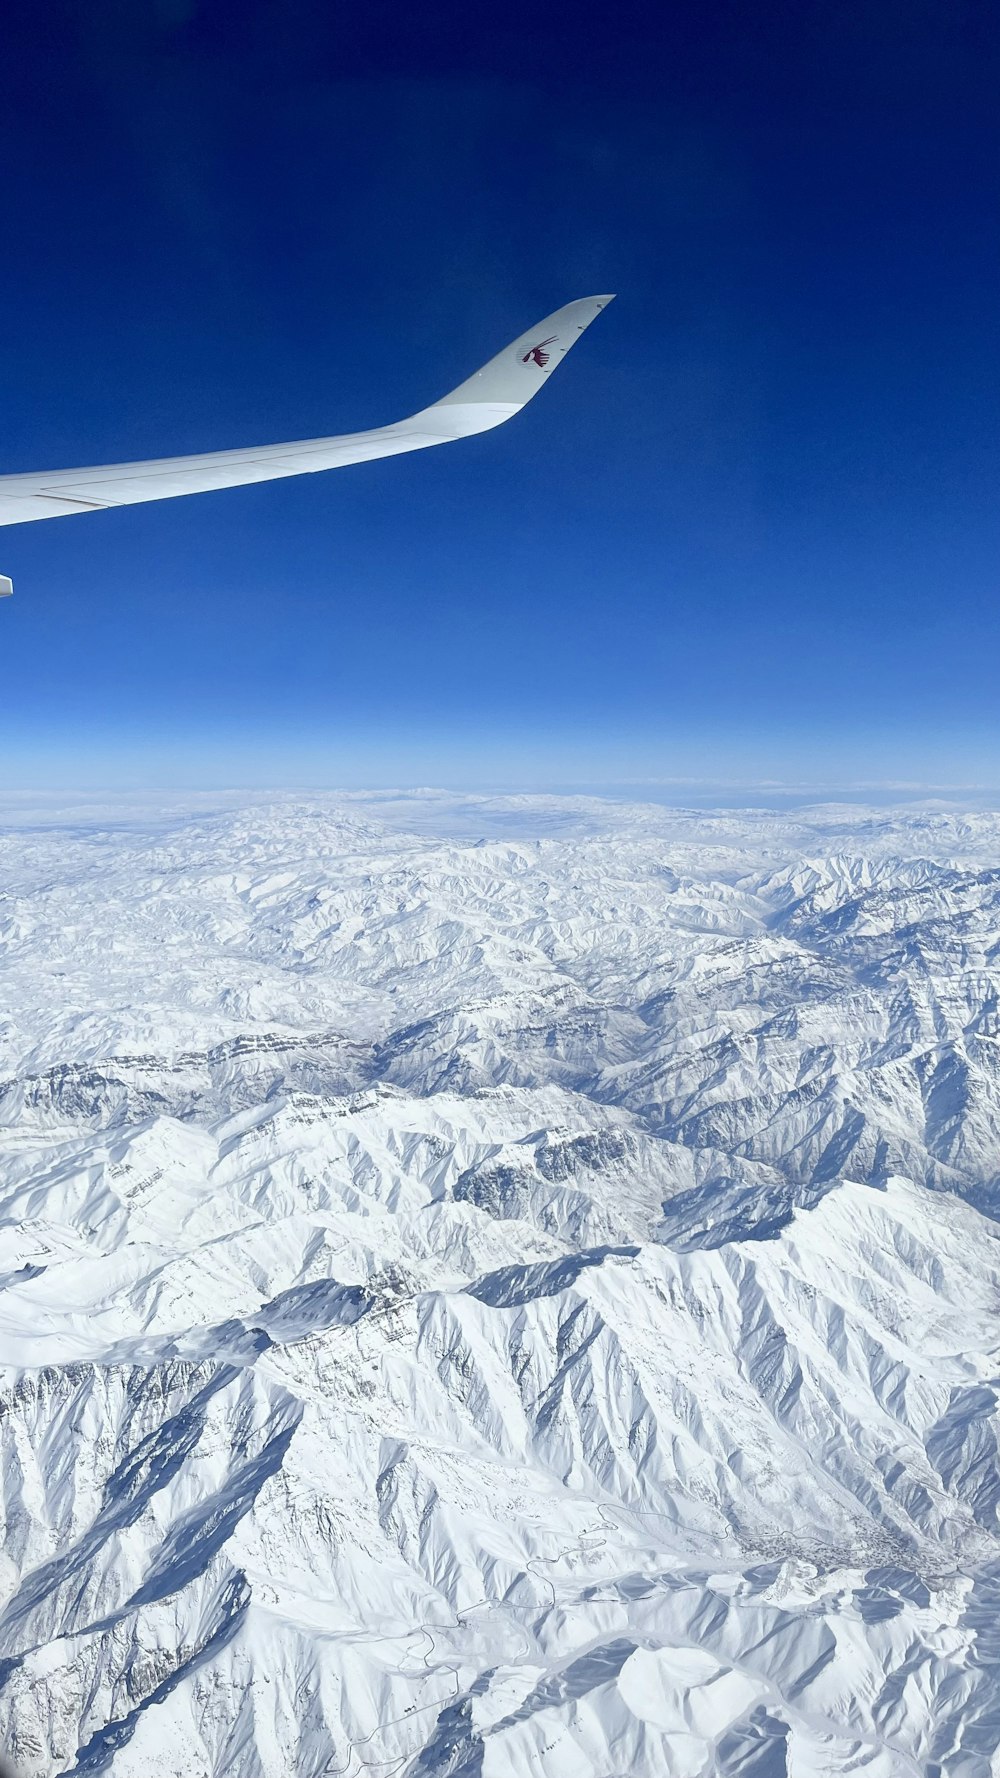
{"x": 538, "y": 355}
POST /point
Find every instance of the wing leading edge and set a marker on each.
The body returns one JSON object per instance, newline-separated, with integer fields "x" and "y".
{"x": 488, "y": 398}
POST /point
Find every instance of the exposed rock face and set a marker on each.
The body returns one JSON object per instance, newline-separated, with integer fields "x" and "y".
{"x": 507, "y": 1305}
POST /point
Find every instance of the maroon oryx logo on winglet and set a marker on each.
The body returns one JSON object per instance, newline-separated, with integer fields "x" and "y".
{"x": 538, "y": 354}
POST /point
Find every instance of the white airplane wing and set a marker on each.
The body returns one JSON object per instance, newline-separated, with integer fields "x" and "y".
{"x": 492, "y": 395}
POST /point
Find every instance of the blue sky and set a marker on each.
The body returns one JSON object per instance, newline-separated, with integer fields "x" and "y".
{"x": 750, "y": 531}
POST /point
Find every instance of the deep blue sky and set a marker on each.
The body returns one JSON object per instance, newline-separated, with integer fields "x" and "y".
{"x": 751, "y": 529}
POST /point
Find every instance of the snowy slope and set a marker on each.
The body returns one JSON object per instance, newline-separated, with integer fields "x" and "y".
{"x": 499, "y": 1287}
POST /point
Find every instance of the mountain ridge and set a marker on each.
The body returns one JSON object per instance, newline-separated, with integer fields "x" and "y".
{"x": 500, "y": 1308}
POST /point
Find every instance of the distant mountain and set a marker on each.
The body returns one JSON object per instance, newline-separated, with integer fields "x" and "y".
{"x": 493, "y": 1288}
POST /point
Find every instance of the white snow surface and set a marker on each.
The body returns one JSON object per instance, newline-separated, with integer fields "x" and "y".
{"x": 499, "y": 1288}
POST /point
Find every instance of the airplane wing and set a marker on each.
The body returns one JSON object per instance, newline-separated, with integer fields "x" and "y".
{"x": 494, "y": 394}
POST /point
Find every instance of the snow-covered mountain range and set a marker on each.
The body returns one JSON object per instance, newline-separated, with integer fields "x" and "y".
{"x": 499, "y": 1288}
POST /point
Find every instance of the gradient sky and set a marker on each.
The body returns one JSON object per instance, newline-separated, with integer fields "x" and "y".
{"x": 752, "y": 528}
